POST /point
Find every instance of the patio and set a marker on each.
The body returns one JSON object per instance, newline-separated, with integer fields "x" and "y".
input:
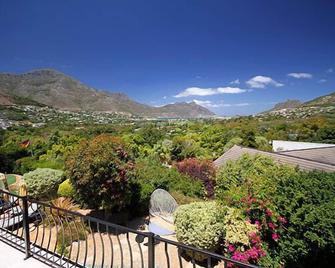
{"x": 13, "y": 258}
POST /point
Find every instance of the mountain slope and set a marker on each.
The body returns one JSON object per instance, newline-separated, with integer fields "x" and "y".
{"x": 296, "y": 109}
{"x": 289, "y": 104}
{"x": 326, "y": 100}
{"x": 55, "y": 89}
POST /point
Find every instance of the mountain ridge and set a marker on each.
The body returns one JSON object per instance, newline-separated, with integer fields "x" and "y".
{"x": 58, "y": 90}
{"x": 325, "y": 100}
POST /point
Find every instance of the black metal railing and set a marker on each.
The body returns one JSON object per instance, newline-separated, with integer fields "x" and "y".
{"x": 63, "y": 238}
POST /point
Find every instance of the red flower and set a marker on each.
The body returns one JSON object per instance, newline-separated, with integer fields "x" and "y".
{"x": 268, "y": 212}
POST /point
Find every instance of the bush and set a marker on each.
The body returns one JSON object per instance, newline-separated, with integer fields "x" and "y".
{"x": 199, "y": 224}
{"x": 294, "y": 210}
{"x": 201, "y": 170}
{"x": 151, "y": 174}
{"x": 66, "y": 189}
{"x": 308, "y": 203}
{"x": 255, "y": 176}
{"x": 43, "y": 182}
{"x": 101, "y": 171}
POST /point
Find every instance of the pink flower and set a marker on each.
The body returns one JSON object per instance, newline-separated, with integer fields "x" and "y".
{"x": 238, "y": 256}
{"x": 275, "y": 236}
{"x": 282, "y": 220}
{"x": 255, "y": 239}
{"x": 268, "y": 212}
{"x": 231, "y": 248}
{"x": 252, "y": 253}
{"x": 258, "y": 224}
{"x": 271, "y": 226}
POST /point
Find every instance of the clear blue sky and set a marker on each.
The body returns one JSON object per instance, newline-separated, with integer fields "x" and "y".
{"x": 160, "y": 52}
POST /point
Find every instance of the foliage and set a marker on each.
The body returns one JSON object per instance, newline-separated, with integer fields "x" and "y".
{"x": 101, "y": 171}
{"x": 294, "y": 210}
{"x": 237, "y": 229}
{"x": 66, "y": 189}
{"x": 308, "y": 204}
{"x": 151, "y": 174}
{"x": 184, "y": 147}
{"x": 43, "y": 182}
{"x": 202, "y": 170}
{"x": 232, "y": 142}
{"x": 250, "y": 175}
{"x": 242, "y": 241}
{"x": 198, "y": 224}
{"x": 182, "y": 199}
{"x": 64, "y": 203}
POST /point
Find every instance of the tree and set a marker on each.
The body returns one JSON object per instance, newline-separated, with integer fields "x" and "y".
{"x": 202, "y": 170}
{"x": 101, "y": 171}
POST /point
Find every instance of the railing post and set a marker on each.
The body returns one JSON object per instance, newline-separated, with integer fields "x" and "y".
{"x": 26, "y": 226}
{"x": 151, "y": 250}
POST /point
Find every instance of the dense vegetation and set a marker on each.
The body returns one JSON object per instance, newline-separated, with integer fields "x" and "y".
{"x": 251, "y": 210}
{"x": 269, "y": 214}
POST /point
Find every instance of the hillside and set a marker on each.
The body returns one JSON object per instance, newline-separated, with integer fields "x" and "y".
{"x": 327, "y": 100}
{"x": 296, "y": 109}
{"x": 57, "y": 90}
{"x": 289, "y": 104}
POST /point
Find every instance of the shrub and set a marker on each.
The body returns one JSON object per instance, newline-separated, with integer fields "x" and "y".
{"x": 63, "y": 203}
{"x": 101, "y": 171}
{"x": 201, "y": 170}
{"x": 184, "y": 199}
{"x": 242, "y": 241}
{"x": 294, "y": 210}
{"x": 308, "y": 204}
{"x": 43, "y": 182}
{"x": 66, "y": 189}
{"x": 256, "y": 176}
{"x": 237, "y": 229}
{"x": 198, "y": 224}
{"x": 151, "y": 174}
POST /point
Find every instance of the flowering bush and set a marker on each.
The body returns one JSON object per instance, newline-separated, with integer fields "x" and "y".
{"x": 242, "y": 240}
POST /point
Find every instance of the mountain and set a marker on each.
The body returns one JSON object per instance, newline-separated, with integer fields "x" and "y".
{"x": 55, "y": 89}
{"x": 296, "y": 109}
{"x": 289, "y": 104}
{"x": 327, "y": 100}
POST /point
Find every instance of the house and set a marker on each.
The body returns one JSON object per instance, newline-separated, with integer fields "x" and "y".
{"x": 322, "y": 159}
{"x": 279, "y": 145}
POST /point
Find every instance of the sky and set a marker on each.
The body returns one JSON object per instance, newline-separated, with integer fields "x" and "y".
{"x": 233, "y": 57}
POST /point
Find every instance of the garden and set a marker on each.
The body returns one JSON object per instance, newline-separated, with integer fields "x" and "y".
{"x": 251, "y": 210}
